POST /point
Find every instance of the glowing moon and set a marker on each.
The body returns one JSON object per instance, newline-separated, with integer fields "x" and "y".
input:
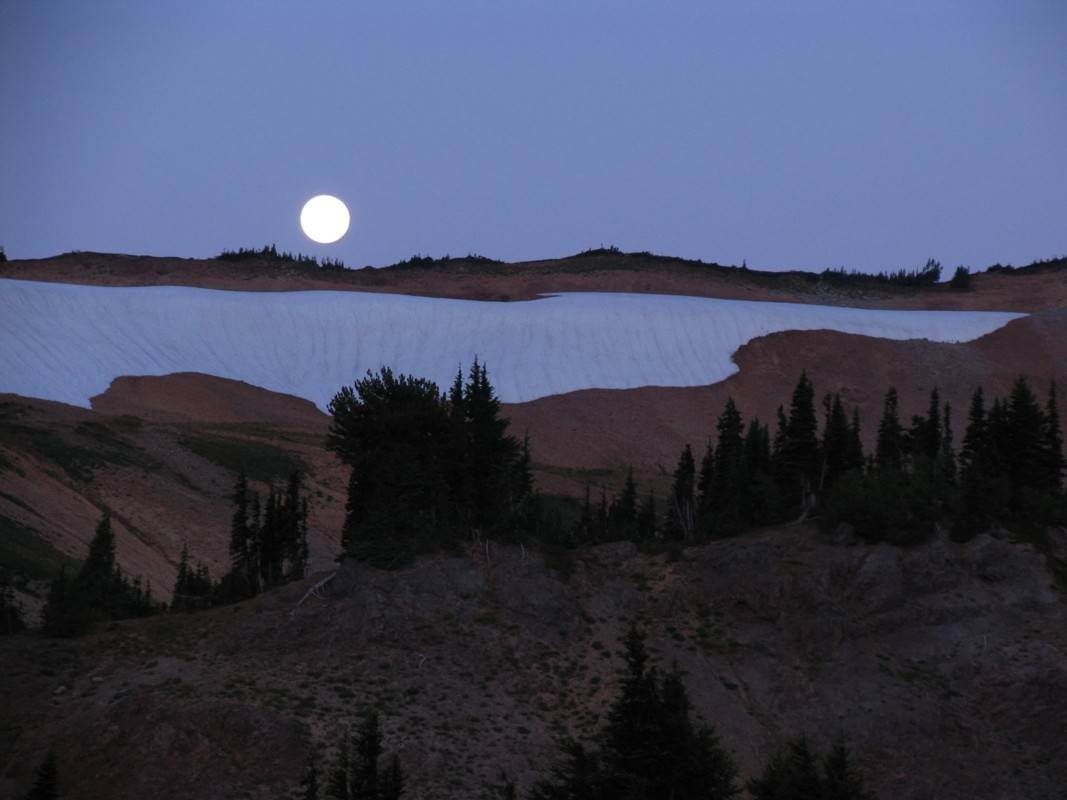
{"x": 324, "y": 219}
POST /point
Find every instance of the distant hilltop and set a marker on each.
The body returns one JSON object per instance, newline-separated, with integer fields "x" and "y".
{"x": 1038, "y": 286}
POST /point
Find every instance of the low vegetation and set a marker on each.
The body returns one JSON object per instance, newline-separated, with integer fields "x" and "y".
{"x": 269, "y": 254}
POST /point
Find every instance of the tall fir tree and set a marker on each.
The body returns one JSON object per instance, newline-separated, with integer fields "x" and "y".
{"x": 947, "y": 456}
{"x": 46, "y": 783}
{"x": 798, "y": 466}
{"x": 889, "y": 451}
{"x": 1025, "y": 457}
{"x": 681, "y": 511}
{"x": 854, "y": 459}
{"x": 836, "y": 442}
{"x": 841, "y": 780}
{"x": 365, "y": 782}
{"x": 791, "y": 774}
{"x": 728, "y": 481}
{"x": 337, "y": 785}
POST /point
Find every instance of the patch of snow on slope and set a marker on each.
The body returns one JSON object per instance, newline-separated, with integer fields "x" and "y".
{"x": 67, "y": 343}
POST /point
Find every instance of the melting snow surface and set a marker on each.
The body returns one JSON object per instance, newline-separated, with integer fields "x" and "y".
{"x": 67, "y": 343}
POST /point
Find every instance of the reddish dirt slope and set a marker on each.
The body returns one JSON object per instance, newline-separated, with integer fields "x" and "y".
{"x": 162, "y": 454}
{"x": 577, "y": 436}
{"x": 1033, "y": 289}
{"x": 165, "y": 489}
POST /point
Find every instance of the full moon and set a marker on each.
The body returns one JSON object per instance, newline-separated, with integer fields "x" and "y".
{"x": 324, "y": 219}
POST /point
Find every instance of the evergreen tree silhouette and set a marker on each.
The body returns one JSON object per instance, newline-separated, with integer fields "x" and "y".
{"x": 889, "y": 452}
{"x": 365, "y": 783}
{"x": 728, "y": 480}
{"x": 681, "y": 511}
{"x": 836, "y": 442}
{"x": 705, "y": 478}
{"x": 46, "y": 784}
{"x": 841, "y": 780}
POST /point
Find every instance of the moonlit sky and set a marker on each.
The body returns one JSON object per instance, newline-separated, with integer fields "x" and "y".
{"x": 803, "y": 135}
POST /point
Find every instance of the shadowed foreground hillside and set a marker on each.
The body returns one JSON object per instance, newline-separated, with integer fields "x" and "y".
{"x": 943, "y": 665}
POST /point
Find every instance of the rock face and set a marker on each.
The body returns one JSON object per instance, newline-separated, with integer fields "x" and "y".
{"x": 943, "y": 665}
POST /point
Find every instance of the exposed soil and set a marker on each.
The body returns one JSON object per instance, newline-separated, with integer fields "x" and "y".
{"x": 943, "y": 665}
{"x": 1031, "y": 289}
{"x": 155, "y": 437}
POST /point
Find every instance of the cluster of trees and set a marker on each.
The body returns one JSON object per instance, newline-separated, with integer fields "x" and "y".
{"x": 928, "y": 275}
{"x": 360, "y": 771}
{"x": 428, "y": 469}
{"x": 796, "y": 772}
{"x": 1009, "y": 471}
{"x": 961, "y": 279}
{"x": 419, "y": 260}
{"x": 100, "y": 591}
{"x": 270, "y": 254}
{"x": 268, "y": 547}
{"x": 651, "y": 749}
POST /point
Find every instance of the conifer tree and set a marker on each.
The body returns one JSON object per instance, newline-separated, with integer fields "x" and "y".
{"x": 96, "y": 584}
{"x": 181, "y": 583}
{"x": 728, "y": 481}
{"x": 928, "y": 441}
{"x": 705, "y": 478}
{"x": 650, "y": 747}
{"x": 681, "y": 511}
{"x": 337, "y": 787}
{"x": 798, "y": 466}
{"x": 836, "y": 442}
{"x": 576, "y": 776}
{"x": 947, "y": 455}
{"x": 854, "y": 459}
{"x": 791, "y": 774}
{"x": 46, "y": 784}
{"x": 1026, "y": 459}
{"x": 365, "y": 779}
{"x": 841, "y": 780}
{"x": 240, "y": 536}
{"x": 889, "y": 451}
{"x": 974, "y": 440}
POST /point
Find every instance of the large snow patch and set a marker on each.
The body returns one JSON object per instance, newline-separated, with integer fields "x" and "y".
{"x": 67, "y": 343}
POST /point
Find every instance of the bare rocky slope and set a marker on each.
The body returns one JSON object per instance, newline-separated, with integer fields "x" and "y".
{"x": 945, "y": 666}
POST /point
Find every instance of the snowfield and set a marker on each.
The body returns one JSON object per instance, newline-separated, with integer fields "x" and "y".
{"x": 67, "y": 343}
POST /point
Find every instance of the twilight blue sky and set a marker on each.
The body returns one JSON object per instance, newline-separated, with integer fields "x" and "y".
{"x": 804, "y": 135}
